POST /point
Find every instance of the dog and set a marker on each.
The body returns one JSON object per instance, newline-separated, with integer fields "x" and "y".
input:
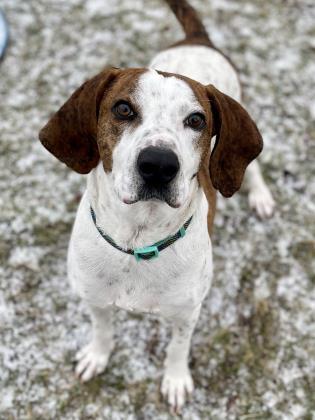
{"x": 141, "y": 237}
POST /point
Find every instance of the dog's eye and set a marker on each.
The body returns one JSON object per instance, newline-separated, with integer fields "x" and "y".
{"x": 196, "y": 121}
{"x": 123, "y": 111}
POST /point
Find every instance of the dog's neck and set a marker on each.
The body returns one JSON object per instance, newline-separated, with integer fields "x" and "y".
{"x": 140, "y": 224}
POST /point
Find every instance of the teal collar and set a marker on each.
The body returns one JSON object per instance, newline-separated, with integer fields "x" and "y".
{"x": 147, "y": 252}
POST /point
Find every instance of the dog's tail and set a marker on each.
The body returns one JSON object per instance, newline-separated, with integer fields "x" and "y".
{"x": 191, "y": 23}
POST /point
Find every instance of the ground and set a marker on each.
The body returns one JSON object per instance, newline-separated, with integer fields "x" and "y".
{"x": 253, "y": 351}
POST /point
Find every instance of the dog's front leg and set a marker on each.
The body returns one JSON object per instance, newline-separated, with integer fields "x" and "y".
{"x": 177, "y": 380}
{"x": 93, "y": 358}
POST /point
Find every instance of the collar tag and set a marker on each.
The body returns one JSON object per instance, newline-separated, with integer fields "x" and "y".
{"x": 182, "y": 232}
{"x": 146, "y": 253}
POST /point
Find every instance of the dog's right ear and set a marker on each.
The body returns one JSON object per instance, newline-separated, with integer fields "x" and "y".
{"x": 238, "y": 142}
{"x": 70, "y": 134}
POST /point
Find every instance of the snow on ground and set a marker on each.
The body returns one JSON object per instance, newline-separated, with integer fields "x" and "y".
{"x": 253, "y": 352}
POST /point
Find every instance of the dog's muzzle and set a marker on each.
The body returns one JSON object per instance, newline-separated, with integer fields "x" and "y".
{"x": 157, "y": 167}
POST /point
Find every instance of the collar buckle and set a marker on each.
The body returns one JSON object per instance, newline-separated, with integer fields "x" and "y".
{"x": 146, "y": 253}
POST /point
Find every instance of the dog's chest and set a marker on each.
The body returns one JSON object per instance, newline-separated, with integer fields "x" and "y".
{"x": 179, "y": 277}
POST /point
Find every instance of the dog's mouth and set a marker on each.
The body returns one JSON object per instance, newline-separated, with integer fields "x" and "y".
{"x": 155, "y": 194}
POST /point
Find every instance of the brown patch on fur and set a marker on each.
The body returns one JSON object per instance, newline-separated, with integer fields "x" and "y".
{"x": 72, "y": 132}
{"x": 110, "y": 128}
{"x": 238, "y": 142}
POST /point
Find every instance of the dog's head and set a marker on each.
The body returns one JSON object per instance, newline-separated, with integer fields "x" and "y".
{"x": 152, "y": 132}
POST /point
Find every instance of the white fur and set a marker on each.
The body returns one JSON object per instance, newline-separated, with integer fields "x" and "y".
{"x": 105, "y": 276}
{"x": 174, "y": 284}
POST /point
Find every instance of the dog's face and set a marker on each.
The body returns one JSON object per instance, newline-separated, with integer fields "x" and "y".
{"x": 150, "y": 137}
{"x": 152, "y": 131}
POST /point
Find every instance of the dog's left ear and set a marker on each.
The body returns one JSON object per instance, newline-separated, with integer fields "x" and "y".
{"x": 238, "y": 142}
{"x": 71, "y": 133}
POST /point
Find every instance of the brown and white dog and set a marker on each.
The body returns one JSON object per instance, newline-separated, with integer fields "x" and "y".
{"x": 143, "y": 136}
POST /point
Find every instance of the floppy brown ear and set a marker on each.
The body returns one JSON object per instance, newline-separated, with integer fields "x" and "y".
{"x": 238, "y": 142}
{"x": 70, "y": 134}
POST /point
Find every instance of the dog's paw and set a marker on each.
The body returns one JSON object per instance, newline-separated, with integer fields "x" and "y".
{"x": 91, "y": 362}
{"x": 261, "y": 200}
{"x": 175, "y": 388}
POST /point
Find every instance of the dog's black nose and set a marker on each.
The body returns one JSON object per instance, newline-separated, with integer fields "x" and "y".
{"x": 157, "y": 166}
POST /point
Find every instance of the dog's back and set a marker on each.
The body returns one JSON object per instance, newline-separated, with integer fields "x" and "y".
{"x": 196, "y": 56}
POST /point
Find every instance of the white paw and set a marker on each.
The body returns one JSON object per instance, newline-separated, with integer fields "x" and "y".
{"x": 261, "y": 200}
{"x": 176, "y": 387}
{"x": 91, "y": 362}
